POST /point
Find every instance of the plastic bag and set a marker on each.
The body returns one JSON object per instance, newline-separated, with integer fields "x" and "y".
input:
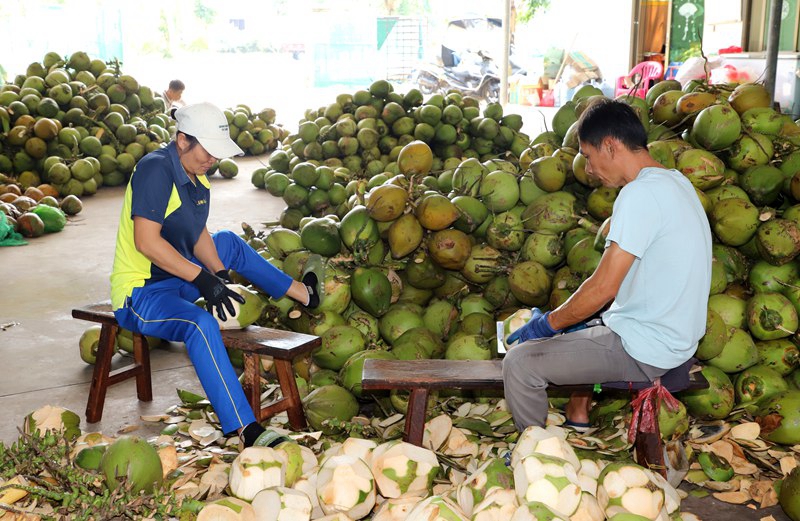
{"x": 8, "y": 237}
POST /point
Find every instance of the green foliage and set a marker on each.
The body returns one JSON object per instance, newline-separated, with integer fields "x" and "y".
{"x": 527, "y": 9}
{"x": 75, "y": 493}
{"x": 204, "y": 12}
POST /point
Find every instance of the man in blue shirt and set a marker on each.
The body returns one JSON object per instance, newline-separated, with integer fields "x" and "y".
{"x": 166, "y": 259}
{"x": 655, "y": 273}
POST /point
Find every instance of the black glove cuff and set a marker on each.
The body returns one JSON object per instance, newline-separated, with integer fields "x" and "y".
{"x": 210, "y": 286}
{"x": 224, "y": 275}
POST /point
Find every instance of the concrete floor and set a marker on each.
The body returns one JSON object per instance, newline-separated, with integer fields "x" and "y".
{"x": 53, "y": 274}
{"x": 57, "y": 272}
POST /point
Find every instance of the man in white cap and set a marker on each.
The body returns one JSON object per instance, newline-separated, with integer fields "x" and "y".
{"x": 166, "y": 259}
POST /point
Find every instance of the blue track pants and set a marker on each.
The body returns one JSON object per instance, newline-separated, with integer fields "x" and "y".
{"x": 166, "y": 309}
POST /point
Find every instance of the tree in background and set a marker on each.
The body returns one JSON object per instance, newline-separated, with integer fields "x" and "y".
{"x": 527, "y": 9}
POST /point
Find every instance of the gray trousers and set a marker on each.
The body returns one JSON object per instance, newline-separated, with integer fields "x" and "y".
{"x": 590, "y": 356}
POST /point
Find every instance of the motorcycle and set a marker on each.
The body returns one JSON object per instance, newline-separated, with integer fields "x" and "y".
{"x": 475, "y": 74}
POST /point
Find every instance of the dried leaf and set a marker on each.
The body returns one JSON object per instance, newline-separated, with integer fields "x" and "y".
{"x": 463, "y": 410}
{"x": 723, "y": 449}
{"x": 742, "y": 466}
{"x": 169, "y": 458}
{"x": 127, "y": 429}
{"x": 481, "y": 409}
{"x": 391, "y": 420}
{"x": 745, "y": 431}
{"x": 787, "y": 463}
{"x": 758, "y": 489}
{"x": 736, "y": 498}
{"x": 770, "y": 499}
{"x": 769, "y": 423}
{"x": 722, "y": 486}
{"x": 768, "y": 518}
{"x": 155, "y": 418}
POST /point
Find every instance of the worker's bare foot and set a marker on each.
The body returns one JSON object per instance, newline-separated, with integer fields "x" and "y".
{"x": 578, "y": 407}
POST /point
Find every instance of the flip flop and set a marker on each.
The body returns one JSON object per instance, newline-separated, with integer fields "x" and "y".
{"x": 578, "y": 426}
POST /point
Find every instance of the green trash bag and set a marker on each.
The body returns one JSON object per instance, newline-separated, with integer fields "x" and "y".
{"x": 8, "y": 237}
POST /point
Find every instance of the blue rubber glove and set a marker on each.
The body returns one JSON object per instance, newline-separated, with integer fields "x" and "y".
{"x": 537, "y": 327}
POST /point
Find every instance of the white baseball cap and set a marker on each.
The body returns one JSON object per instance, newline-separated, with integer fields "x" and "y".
{"x": 208, "y": 124}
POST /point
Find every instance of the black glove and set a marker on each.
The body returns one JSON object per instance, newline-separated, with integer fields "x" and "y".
{"x": 312, "y": 285}
{"x": 225, "y": 275}
{"x": 216, "y": 294}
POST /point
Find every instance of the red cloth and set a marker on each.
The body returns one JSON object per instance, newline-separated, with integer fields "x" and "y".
{"x": 646, "y": 406}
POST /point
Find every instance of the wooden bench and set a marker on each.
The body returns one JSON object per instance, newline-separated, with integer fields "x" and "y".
{"x": 421, "y": 376}
{"x": 253, "y": 341}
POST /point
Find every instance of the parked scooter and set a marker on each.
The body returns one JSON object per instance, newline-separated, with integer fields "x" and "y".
{"x": 475, "y": 74}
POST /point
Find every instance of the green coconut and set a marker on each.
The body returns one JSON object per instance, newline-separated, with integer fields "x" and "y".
{"x": 731, "y": 309}
{"x": 778, "y": 241}
{"x": 757, "y": 383}
{"x": 672, "y": 424}
{"x": 397, "y": 320}
{"x": 339, "y": 343}
{"x": 734, "y": 221}
{"x": 781, "y": 355}
{"x": 131, "y": 461}
{"x": 768, "y": 277}
{"x": 329, "y": 402}
{"x": 371, "y": 290}
{"x": 789, "y": 497}
{"x": 468, "y": 347}
{"x": 779, "y": 418}
{"x": 770, "y": 316}
{"x": 530, "y": 283}
{"x": 350, "y": 374}
{"x": 714, "y": 403}
{"x": 715, "y": 338}
{"x": 738, "y": 354}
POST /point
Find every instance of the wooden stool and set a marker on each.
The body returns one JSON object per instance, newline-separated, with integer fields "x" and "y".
{"x": 253, "y": 341}
{"x": 421, "y": 376}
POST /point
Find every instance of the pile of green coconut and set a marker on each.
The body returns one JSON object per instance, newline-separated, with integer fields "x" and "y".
{"x": 430, "y": 240}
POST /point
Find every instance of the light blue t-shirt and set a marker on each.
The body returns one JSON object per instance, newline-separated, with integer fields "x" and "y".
{"x": 660, "y": 309}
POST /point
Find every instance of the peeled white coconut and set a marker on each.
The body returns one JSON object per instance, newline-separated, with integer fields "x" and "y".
{"x": 436, "y": 508}
{"x": 536, "y": 511}
{"x": 628, "y": 488}
{"x": 396, "y": 509}
{"x": 588, "y": 509}
{"x": 403, "y": 469}
{"x": 345, "y": 484}
{"x": 227, "y": 509}
{"x": 282, "y": 504}
{"x": 491, "y": 475}
{"x": 548, "y": 480}
{"x": 339, "y": 516}
{"x": 257, "y": 468}
{"x": 551, "y": 441}
{"x": 498, "y": 505}
{"x": 307, "y": 483}
{"x": 359, "y": 448}
{"x": 588, "y": 474}
{"x": 518, "y": 319}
